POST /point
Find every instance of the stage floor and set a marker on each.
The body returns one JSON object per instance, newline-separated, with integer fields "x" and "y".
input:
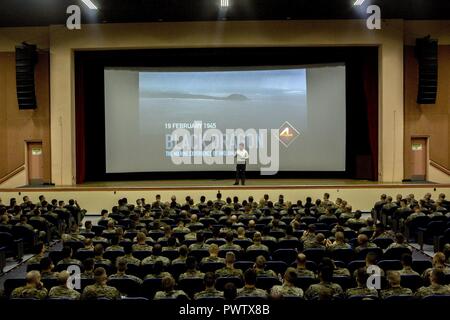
{"x": 251, "y": 183}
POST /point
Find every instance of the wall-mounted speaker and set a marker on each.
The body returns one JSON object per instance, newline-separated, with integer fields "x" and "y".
{"x": 26, "y": 60}
{"x": 427, "y": 56}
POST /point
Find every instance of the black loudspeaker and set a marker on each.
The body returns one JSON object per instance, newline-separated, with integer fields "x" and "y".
{"x": 427, "y": 56}
{"x": 26, "y": 60}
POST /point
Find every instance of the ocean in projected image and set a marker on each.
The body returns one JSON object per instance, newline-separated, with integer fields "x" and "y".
{"x": 260, "y": 99}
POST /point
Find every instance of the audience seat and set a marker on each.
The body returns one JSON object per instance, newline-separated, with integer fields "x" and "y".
{"x": 411, "y": 281}
{"x": 222, "y": 281}
{"x": 267, "y": 283}
{"x": 285, "y": 255}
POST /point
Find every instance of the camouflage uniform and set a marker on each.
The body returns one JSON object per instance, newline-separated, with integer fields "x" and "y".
{"x": 251, "y": 292}
{"x": 335, "y": 246}
{"x": 100, "y": 291}
{"x": 341, "y": 272}
{"x": 125, "y": 276}
{"x": 312, "y": 244}
{"x": 102, "y": 261}
{"x": 434, "y": 289}
{"x": 87, "y": 275}
{"x": 208, "y": 293}
{"x": 48, "y": 275}
{"x": 171, "y": 294}
{"x": 368, "y": 245}
{"x": 70, "y": 261}
{"x": 213, "y": 259}
{"x": 229, "y": 272}
{"x": 303, "y": 272}
{"x": 179, "y": 260}
{"x": 141, "y": 247}
{"x": 198, "y": 246}
{"x": 397, "y": 291}
{"x": 230, "y": 246}
{"x": 408, "y": 271}
{"x": 366, "y": 292}
{"x": 315, "y": 291}
{"x": 397, "y": 245}
{"x": 63, "y": 292}
{"x": 258, "y": 246}
{"x": 129, "y": 259}
{"x": 114, "y": 248}
{"x": 152, "y": 260}
{"x": 286, "y": 290}
{"x": 158, "y": 276}
{"x": 265, "y": 273}
{"x": 27, "y": 292}
{"x": 192, "y": 275}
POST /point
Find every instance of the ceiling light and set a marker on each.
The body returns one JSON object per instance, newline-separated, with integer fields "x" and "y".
{"x": 90, "y": 4}
{"x": 358, "y": 2}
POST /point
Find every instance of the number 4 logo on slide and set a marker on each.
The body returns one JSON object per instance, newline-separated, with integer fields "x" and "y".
{"x": 287, "y": 134}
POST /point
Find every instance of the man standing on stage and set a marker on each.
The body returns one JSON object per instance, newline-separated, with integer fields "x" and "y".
{"x": 241, "y": 160}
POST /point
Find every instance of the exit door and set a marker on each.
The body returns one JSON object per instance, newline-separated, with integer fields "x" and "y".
{"x": 35, "y": 163}
{"x": 419, "y": 158}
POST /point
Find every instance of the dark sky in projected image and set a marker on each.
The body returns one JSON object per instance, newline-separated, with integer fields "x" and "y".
{"x": 218, "y": 83}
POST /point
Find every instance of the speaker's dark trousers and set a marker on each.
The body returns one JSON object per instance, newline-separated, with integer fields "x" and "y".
{"x": 240, "y": 173}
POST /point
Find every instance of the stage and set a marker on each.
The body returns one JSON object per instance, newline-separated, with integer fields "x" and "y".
{"x": 95, "y": 196}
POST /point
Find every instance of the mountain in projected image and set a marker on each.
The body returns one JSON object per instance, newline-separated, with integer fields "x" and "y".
{"x": 182, "y": 95}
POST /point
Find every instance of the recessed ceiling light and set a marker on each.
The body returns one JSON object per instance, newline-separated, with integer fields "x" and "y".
{"x": 358, "y": 2}
{"x": 90, "y": 4}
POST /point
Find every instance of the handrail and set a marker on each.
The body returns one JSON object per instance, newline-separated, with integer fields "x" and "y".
{"x": 12, "y": 173}
{"x": 440, "y": 167}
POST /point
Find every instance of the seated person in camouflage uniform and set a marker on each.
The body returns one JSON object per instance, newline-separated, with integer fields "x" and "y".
{"x": 407, "y": 261}
{"x": 141, "y": 244}
{"x": 339, "y": 242}
{"x": 158, "y": 271}
{"x": 213, "y": 255}
{"x": 317, "y": 243}
{"x": 67, "y": 259}
{"x": 88, "y": 245}
{"x": 371, "y": 261}
{"x": 437, "y": 286}
{"x": 438, "y": 263}
{"x": 156, "y": 256}
{"x": 229, "y": 291}
{"x": 309, "y": 234}
{"x": 100, "y": 289}
{"x": 257, "y": 245}
{"x": 88, "y": 266}
{"x": 399, "y": 242}
{"x": 200, "y": 243}
{"x": 74, "y": 234}
{"x": 210, "y": 290}
{"x": 230, "y": 245}
{"x": 301, "y": 269}
{"x": 33, "y": 289}
{"x": 46, "y": 267}
{"x": 229, "y": 270}
{"x": 128, "y": 256}
{"x": 395, "y": 289}
{"x": 259, "y": 267}
{"x": 363, "y": 243}
{"x": 40, "y": 253}
{"x": 191, "y": 272}
{"x": 337, "y": 271}
{"x": 168, "y": 290}
{"x": 114, "y": 245}
{"x": 172, "y": 244}
{"x": 382, "y": 232}
{"x": 183, "y": 252}
{"x": 325, "y": 289}
{"x": 98, "y": 256}
{"x": 288, "y": 288}
{"x": 249, "y": 289}
{"x": 63, "y": 290}
{"x": 121, "y": 265}
{"x": 362, "y": 290}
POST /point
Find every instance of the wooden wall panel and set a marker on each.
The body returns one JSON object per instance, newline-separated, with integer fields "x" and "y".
{"x": 18, "y": 126}
{"x": 432, "y": 121}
